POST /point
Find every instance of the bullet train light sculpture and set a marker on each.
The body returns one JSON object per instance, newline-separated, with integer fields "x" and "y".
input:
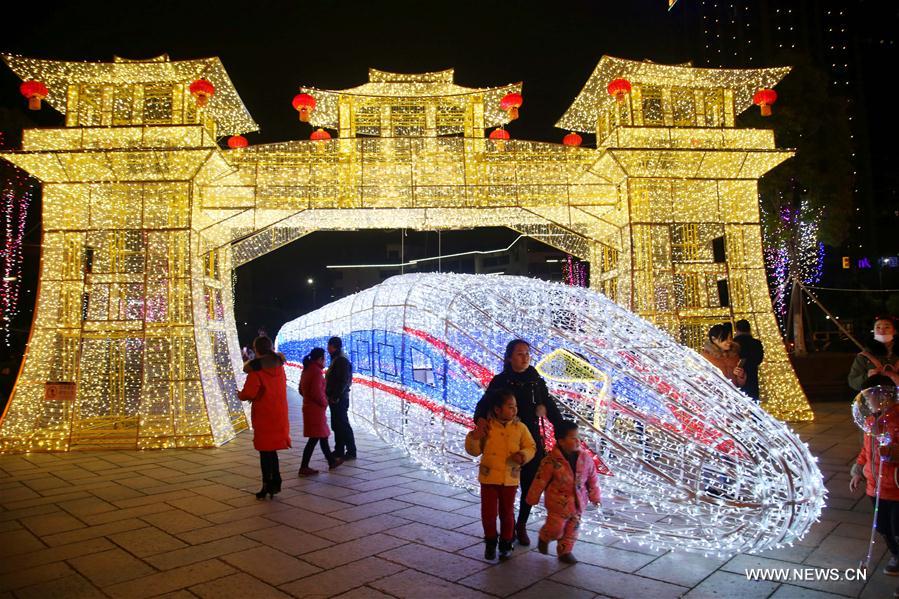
{"x": 687, "y": 461}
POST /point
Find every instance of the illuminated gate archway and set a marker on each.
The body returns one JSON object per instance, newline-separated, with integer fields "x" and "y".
{"x": 145, "y": 217}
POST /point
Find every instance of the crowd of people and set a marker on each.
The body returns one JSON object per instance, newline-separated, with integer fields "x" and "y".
{"x": 509, "y": 437}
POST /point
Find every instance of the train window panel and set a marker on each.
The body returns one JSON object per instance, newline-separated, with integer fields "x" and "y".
{"x": 363, "y": 356}
{"x": 422, "y": 367}
{"x": 386, "y": 359}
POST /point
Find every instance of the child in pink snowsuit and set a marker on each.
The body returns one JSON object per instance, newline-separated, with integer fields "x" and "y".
{"x": 569, "y": 478}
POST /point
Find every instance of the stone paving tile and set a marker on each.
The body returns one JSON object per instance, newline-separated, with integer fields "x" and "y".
{"x": 270, "y": 565}
{"x": 86, "y": 507}
{"x": 616, "y": 584}
{"x": 322, "y": 505}
{"x": 547, "y": 588}
{"x": 171, "y": 580}
{"x": 289, "y": 540}
{"x": 433, "y": 517}
{"x": 361, "y": 528}
{"x": 367, "y": 510}
{"x": 342, "y": 578}
{"x": 31, "y": 576}
{"x": 433, "y": 561}
{"x": 144, "y": 542}
{"x": 365, "y": 592}
{"x": 228, "y": 529}
{"x": 307, "y": 521}
{"x": 18, "y": 541}
{"x": 109, "y": 567}
{"x": 609, "y": 557}
{"x": 434, "y": 537}
{"x": 435, "y": 501}
{"x": 199, "y": 506}
{"x": 236, "y": 586}
{"x": 727, "y": 585}
{"x": 22, "y": 561}
{"x": 50, "y": 524}
{"x": 93, "y": 532}
{"x": 788, "y": 591}
{"x": 175, "y": 521}
{"x": 344, "y": 553}
{"x": 739, "y": 564}
{"x": 526, "y": 568}
{"x": 410, "y": 584}
{"x": 199, "y": 553}
{"x": 70, "y": 586}
{"x": 684, "y": 569}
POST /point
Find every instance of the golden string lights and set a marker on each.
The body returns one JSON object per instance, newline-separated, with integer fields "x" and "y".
{"x": 145, "y": 216}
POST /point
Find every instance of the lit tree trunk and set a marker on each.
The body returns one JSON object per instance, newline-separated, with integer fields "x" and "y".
{"x": 799, "y": 348}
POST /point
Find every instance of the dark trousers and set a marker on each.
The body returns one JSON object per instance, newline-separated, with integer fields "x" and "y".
{"x": 528, "y": 473}
{"x": 344, "y": 440}
{"x": 498, "y": 500}
{"x": 271, "y": 470}
{"x": 888, "y": 523}
{"x": 310, "y": 447}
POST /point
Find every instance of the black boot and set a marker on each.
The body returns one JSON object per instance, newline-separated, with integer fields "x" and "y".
{"x": 274, "y": 487}
{"x": 490, "y": 549}
{"x": 505, "y": 549}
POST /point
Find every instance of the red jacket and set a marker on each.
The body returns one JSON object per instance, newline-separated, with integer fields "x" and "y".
{"x": 887, "y": 423}
{"x": 266, "y": 390}
{"x": 315, "y": 403}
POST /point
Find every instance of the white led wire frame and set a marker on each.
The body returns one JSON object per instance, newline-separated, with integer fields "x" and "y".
{"x": 740, "y": 481}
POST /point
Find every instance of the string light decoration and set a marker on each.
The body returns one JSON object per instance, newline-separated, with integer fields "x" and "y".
{"x": 575, "y": 272}
{"x": 145, "y": 216}
{"x": 793, "y": 252}
{"x": 15, "y": 198}
{"x": 687, "y": 460}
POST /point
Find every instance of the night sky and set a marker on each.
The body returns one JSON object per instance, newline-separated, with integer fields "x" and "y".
{"x": 271, "y": 48}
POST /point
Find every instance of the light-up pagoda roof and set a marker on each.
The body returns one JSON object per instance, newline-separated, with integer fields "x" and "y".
{"x": 225, "y": 107}
{"x": 583, "y": 112}
{"x": 385, "y": 87}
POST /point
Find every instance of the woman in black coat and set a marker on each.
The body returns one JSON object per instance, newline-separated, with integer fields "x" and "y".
{"x": 534, "y": 402}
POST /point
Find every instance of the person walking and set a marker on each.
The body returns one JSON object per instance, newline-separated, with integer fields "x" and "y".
{"x": 266, "y": 390}
{"x": 752, "y": 354}
{"x": 338, "y": 381}
{"x": 534, "y": 403}
{"x": 505, "y": 445}
{"x": 315, "y": 423}
{"x": 569, "y": 478}
{"x": 880, "y": 356}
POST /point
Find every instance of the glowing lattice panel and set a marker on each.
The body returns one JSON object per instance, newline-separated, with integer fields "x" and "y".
{"x": 688, "y": 461}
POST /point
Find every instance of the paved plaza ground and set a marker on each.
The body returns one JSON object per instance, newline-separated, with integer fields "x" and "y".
{"x": 184, "y": 523}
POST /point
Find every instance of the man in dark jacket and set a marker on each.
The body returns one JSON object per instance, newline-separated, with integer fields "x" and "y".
{"x": 534, "y": 402}
{"x": 338, "y": 381}
{"x": 752, "y": 353}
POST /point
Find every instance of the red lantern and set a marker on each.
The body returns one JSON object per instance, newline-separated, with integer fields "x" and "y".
{"x": 202, "y": 90}
{"x": 304, "y": 104}
{"x": 320, "y": 135}
{"x": 237, "y": 141}
{"x": 499, "y": 135}
{"x": 510, "y": 104}
{"x": 618, "y": 88}
{"x": 764, "y": 98}
{"x": 35, "y": 91}
{"x": 572, "y": 139}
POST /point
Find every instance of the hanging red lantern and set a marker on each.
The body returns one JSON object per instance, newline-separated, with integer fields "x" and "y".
{"x": 35, "y": 91}
{"x": 618, "y": 88}
{"x": 237, "y": 141}
{"x": 499, "y": 135}
{"x": 572, "y": 139}
{"x": 320, "y": 135}
{"x": 764, "y": 98}
{"x": 304, "y": 104}
{"x": 510, "y": 104}
{"x": 202, "y": 90}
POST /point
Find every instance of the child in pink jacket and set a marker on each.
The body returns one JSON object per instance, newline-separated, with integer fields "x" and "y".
{"x": 569, "y": 478}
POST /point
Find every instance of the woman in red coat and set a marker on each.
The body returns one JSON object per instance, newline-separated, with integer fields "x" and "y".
{"x": 266, "y": 390}
{"x": 315, "y": 404}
